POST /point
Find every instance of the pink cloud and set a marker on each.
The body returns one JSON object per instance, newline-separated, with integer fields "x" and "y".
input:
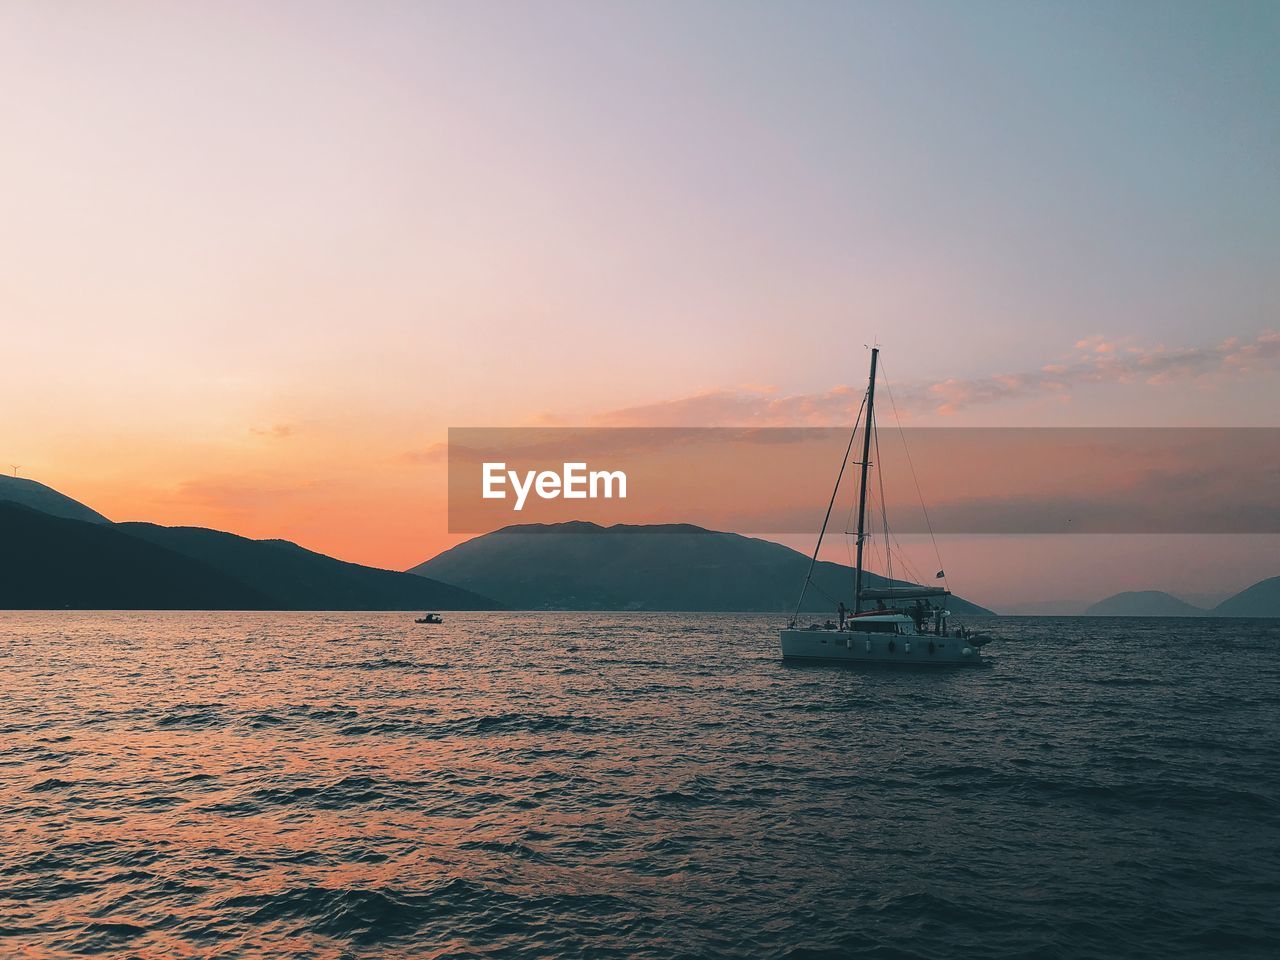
{"x": 743, "y": 406}
{"x": 1097, "y": 360}
{"x": 278, "y": 431}
{"x": 434, "y": 453}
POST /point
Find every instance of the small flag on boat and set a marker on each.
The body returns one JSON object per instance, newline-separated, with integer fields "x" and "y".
{"x": 940, "y": 574}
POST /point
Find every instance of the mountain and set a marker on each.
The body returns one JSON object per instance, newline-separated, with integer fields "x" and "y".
{"x": 583, "y": 566}
{"x": 57, "y": 553}
{"x": 293, "y": 578}
{"x": 1260, "y": 600}
{"x": 1205, "y": 601}
{"x": 1143, "y": 603}
{"x": 49, "y": 562}
{"x": 37, "y": 496}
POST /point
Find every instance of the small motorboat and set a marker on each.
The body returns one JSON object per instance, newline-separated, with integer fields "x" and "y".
{"x": 430, "y": 618}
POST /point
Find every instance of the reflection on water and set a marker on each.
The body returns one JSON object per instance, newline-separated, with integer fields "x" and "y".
{"x": 596, "y": 785}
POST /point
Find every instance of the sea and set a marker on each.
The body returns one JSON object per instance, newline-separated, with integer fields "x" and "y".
{"x": 568, "y": 785}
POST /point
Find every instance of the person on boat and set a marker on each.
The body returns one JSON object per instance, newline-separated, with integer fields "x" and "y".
{"x": 841, "y": 610}
{"x": 917, "y": 614}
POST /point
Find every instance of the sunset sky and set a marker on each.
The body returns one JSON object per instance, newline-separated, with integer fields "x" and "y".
{"x": 256, "y": 258}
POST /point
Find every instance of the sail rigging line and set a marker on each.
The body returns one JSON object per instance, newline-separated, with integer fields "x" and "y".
{"x": 884, "y": 506}
{"x": 912, "y": 574}
{"x": 878, "y": 504}
{"x": 862, "y": 485}
{"x": 848, "y": 547}
{"x": 894, "y": 552}
{"x": 826, "y": 519}
{"x": 849, "y": 538}
{"x": 834, "y": 600}
{"x": 916, "y": 480}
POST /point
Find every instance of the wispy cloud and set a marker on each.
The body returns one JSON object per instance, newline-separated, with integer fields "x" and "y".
{"x": 1101, "y": 360}
{"x": 433, "y": 453}
{"x": 746, "y": 406}
{"x": 1094, "y": 360}
{"x": 277, "y": 431}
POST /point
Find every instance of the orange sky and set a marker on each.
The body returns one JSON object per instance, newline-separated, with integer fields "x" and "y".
{"x": 257, "y": 259}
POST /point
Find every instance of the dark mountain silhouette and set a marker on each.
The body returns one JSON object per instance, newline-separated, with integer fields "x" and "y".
{"x": 57, "y": 553}
{"x": 1260, "y": 600}
{"x": 294, "y": 578}
{"x": 583, "y": 566}
{"x": 1144, "y": 603}
{"x": 49, "y": 562}
{"x": 37, "y": 496}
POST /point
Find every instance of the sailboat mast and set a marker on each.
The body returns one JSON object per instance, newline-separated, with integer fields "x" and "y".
{"x": 862, "y": 489}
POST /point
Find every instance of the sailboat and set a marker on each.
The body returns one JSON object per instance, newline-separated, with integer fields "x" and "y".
{"x": 909, "y": 624}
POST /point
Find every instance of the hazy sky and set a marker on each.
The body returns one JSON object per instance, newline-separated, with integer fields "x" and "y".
{"x": 256, "y": 258}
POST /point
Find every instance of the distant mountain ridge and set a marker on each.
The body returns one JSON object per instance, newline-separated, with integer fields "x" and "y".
{"x": 1144, "y": 603}
{"x": 583, "y": 566}
{"x": 1260, "y": 600}
{"x": 72, "y": 557}
{"x": 37, "y": 496}
{"x": 56, "y": 552}
{"x": 295, "y": 578}
{"x": 52, "y": 563}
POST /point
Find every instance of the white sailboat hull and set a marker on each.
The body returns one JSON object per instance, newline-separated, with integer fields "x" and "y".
{"x": 844, "y": 646}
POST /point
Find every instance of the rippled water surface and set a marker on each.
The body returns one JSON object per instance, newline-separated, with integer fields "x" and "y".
{"x": 354, "y": 785}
